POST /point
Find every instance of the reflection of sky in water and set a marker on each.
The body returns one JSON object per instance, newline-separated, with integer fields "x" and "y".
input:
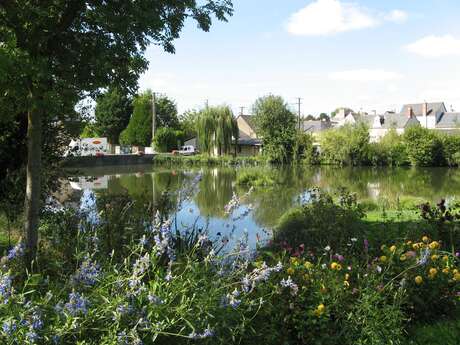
{"x": 233, "y": 229}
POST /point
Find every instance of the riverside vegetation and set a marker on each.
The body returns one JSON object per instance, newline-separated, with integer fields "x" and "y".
{"x": 117, "y": 276}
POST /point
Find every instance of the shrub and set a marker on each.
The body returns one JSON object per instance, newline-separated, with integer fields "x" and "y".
{"x": 165, "y": 140}
{"x": 255, "y": 178}
{"x": 321, "y": 222}
{"x": 451, "y": 149}
{"x": 424, "y": 148}
{"x": 347, "y": 145}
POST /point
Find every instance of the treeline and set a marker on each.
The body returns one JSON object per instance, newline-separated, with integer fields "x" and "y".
{"x": 418, "y": 146}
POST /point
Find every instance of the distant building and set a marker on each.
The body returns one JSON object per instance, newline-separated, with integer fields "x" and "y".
{"x": 428, "y": 115}
{"x": 248, "y": 142}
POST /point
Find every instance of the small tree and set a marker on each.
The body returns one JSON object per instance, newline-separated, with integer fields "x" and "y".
{"x": 165, "y": 140}
{"x": 217, "y": 129}
{"x": 424, "y": 147}
{"x": 112, "y": 113}
{"x": 139, "y": 129}
{"x": 276, "y": 125}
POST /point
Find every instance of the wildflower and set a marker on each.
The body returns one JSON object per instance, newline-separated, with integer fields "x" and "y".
{"x": 154, "y": 299}
{"x": 77, "y": 304}
{"x": 16, "y": 251}
{"x": 347, "y": 276}
{"x": 9, "y": 327}
{"x": 334, "y": 265}
{"x": 403, "y": 257}
{"x": 37, "y": 322}
{"x": 320, "y": 309}
{"x": 327, "y": 248}
{"x": 5, "y": 287}
{"x": 446, "y": 270}
{"x": 88, "y": 273}
{"x": 308, "y": 265}
{"x": 31, "y": 336}
{"x": 346, "y": 283}
{"x": 288, "y": 283}
{"x": 432, "y": 273}
{"x": 434, "y": 245}
{"x": 393, "y": 248}
{"x": 366, "y": 246}
{"x": 353, "y": 239}
{"x": 290, "y": 271}
{"x": 445, "y": 258}
{"x": 383, "y": 258}
{"x": 457, "y": 277}
{"x": 425, "y": 239}
{"x": 418, "y": 280}
{"x": 378, "y": 269}
{"x": 425, "y": 256}
{"x": 434, "y": 257}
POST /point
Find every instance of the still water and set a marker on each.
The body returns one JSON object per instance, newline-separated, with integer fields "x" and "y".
{"x": 200, "y": 196}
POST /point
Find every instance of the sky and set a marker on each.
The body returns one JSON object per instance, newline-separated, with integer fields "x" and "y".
{"x": 365, "y": 54}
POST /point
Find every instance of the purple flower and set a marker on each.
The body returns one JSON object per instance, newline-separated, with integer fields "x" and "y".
{"x": 16, "y": 251}
{"x": 77, "y": 304}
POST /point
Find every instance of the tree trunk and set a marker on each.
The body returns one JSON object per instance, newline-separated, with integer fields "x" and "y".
{"x": 33, "y": 183}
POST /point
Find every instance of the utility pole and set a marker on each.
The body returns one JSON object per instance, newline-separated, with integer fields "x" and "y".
{"x": 206, "y": 104}
{"x": 242, "y": 110}
{"x": 154, "y": 116}
{"x": 299, "y": 103}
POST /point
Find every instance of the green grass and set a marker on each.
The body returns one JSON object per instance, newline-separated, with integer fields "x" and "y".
{"x": 202, "y": 159}
{"x": 439, "y": 333}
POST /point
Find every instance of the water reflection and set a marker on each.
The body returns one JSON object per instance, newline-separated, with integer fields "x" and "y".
{"x": 162, "y": 189}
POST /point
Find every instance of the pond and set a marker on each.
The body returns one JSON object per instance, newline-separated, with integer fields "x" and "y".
{"x": 200, "y": 197}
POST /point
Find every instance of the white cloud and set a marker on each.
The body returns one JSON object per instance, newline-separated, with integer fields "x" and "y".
{"x": 397, "y": 16}
{"x": 435, "y": 46}
{"x": 365, "y": 75}
{"x": 328, "y": 17}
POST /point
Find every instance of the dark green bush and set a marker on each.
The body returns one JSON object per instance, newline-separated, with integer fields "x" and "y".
{"x": 320, "y": 223}
{"x": 424, "y": 147}
{"x": 165, "y": 140}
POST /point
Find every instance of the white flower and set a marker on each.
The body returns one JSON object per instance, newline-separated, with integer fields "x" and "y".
{"x": 327, "y": 248}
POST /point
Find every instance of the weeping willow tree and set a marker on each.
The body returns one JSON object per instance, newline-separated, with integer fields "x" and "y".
{"x": 217, "y": 130}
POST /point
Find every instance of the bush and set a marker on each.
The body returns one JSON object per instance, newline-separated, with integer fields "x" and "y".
{"x": 321, "y": 222}
{"x": 255, "y": 178}
{"x": 165, "y": 140}
{"x": 424, "y": 147}
{"x": 451, "y": 149}
{"x": 347, "y": 145}
{"x": 304, "y": 151}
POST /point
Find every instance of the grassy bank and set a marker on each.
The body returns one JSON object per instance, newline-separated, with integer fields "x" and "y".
{"x": 206, "y": 160}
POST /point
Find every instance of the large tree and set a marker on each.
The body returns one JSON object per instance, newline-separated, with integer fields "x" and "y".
{"x": 112, "y": 114}
{"x": 55, "y": 52}
{"x": 139, "y": 129}
{"x": 276, "y": 125}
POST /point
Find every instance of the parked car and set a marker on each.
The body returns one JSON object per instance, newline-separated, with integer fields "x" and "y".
{"x": 187, "y": 150}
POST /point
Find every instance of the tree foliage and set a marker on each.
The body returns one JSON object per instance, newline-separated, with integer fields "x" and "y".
{"x": 347, "y": 145}
{"x": 112, "y": 113}
{"x": 217, "y": 129}
{"x": 139, "y": 129}
{"x": 165, "y": 139}
{"x": 276, "y": 125}
{"x": 55, "y": 52}
{"x": 423, "y": 146}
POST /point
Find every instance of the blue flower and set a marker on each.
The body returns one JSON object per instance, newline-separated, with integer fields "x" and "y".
{"x": 9, "y": 327}
{"x": 5, "y": 287}
{"x": 77, "y": 304}
{"x": 88, "y": 273}
{"x": 31, "y": 336}
{"x": 16, "y": 251}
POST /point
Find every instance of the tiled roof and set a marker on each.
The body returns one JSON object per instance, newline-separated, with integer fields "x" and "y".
{"x": 417, "y": 108}
{"x": 249, "y": 120}
{"x": 449, "y": 120}
{"x": 398, "y": 121}
{"x": 314, "y": 126}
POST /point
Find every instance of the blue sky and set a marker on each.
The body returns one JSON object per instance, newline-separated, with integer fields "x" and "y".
{"x": 364, "y": 54}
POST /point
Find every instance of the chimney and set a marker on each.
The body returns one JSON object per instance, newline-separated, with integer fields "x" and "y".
{"x": 424, "y": 109}
{"x": 410, "y": 112}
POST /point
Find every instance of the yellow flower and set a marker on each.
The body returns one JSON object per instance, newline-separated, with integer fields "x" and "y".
{"x": 403, "y": 257}
{"x": 347, "y": 276}
{"x": 339, "y": 267}
{"x": 346, "y": 283}
{"x": 294, "y": 261}
{"x": 383, "y": 258}
{"x": 308, "y": 265}
{"x": 383, "y": 247}
{"x": 446, "y": 270}
{"x": 418, "y": 280}
{"x": 306, "y": 276}
{"x": 290, "y": 271}
{"x": 334, "y": 265}
{"x": 425, "y": 239}
{"x": 445, "y": 258}
{"x": 457, "y": 277}
{"x": 434, "y": 257}
{"x": 409, "y": 243}
{"x": 416, "y": 246}
{"x": 434, "y": 245}
{"x": 455, "y": 271}
{"x": 392, "y": 249}
{"x": 432, "y": 272}
{"x": 320, "y": 309}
